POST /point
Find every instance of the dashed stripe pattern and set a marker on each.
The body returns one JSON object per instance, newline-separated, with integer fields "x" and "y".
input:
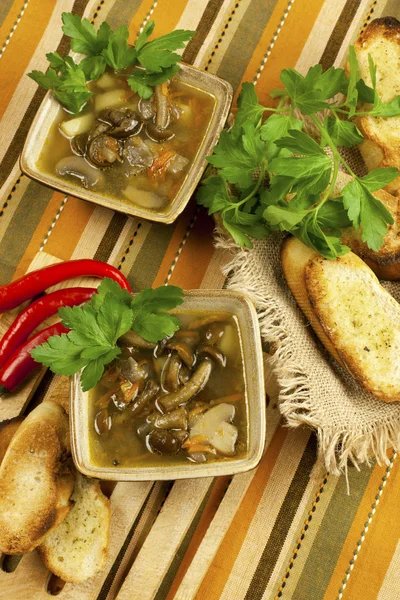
{"x": 96, "y": 12}
{"x": 302, "y": 536}
{"x": 147, "y": 17}
{"x": 53, "y": 223}
{"x": 13, "y": 28}
{"x": 366, "y": 526}
{"x": 10, "y": 195}
{"x": 273, "y": 42}
{"x": 130, "y": 244}
{"x": 181, "y": 246}
{"x": 369, "y": 16}
{"x": 222, "y": 35}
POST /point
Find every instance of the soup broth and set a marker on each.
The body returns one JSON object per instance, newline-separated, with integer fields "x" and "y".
{"x": 183, "y": 400}
{"x": 119, "y": 148}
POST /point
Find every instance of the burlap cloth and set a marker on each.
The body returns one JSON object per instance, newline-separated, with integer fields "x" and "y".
{"x": 313, "y": 389}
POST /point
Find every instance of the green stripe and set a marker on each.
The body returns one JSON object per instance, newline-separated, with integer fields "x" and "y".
{"x": 22, "y": 227}
{"x": 122, "y": 12}
{"x": 245, "y": 40}
{"x": 338, "y": 34}
{"x": 5, "y": 7}
{"x": 147, "y": 263}
{"x": 392, "y": 8}
{"x": 283, "y": 522}
{"x": 335, "y": 526}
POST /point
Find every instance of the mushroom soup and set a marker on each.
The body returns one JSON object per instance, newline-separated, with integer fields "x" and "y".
{"x": 181, "y": 400}
{"x": 136, "y": 151}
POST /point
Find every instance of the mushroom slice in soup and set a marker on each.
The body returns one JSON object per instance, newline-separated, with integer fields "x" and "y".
{"x": 215, "y": 424}
{"x": 146, "y": 109}
{"x": 76, "y": 166}
{"x": 124, "y": 121}
{"x": 103, "y": 151}
{"x": 138, "y": 156}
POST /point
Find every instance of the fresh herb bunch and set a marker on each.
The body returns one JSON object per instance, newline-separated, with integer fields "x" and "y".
{"x": 97, "y": 325}
{"x": 298, "y": 168}
{"x": 68, "y": 79}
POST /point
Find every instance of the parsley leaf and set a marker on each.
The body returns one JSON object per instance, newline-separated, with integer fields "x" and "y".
{"x": 93, "y": 67}
{"x": 249, "y": 107}
{"x": 84, "y": 38}
{"x": 118, "y": 53}
{"x": 69, "y": 85}
{"x": 149, "y": 319}
{"x": 238, "y": 155}
{"x": 343, "y": 133}
{"x": 96, "y": 326}
{"x": 366, "y": 210}
{"x": 159, "y": 54}
{"x": 278, "y": 126}
{"x": 143, "y": 82}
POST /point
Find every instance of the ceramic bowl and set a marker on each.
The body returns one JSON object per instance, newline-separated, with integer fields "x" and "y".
{"x": 196, "y": 300}
{"x": 219, "y": 89}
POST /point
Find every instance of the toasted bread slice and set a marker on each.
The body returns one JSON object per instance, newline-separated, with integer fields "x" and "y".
{"x": 36, "y": 479}
{"x": 77, "y": 549}
{"x": 381, "y": 39}
{"x": 386, "y": 262}
{"x": 353, "y": 315}
{"x": 7, "y": 430}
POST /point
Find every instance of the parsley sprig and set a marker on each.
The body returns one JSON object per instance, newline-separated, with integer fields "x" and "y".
{"x": 157, "y": 58}
{"x": 97, "y": 325}
{"x": 301, "y": 174}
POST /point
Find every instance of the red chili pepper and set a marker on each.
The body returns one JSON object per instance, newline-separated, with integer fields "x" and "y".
{"x": 35, "y": 313}
{"x": 33, "y": 283}
{"x": 21, "y": 364}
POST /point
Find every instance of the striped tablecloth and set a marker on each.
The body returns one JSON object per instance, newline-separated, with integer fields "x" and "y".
{"x": 274, "y": 532}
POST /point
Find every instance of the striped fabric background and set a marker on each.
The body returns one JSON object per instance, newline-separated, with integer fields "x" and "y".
{"x": 275, "y": 532}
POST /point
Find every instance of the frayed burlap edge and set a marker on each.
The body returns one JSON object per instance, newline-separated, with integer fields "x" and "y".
{"x": 336, "y": 448}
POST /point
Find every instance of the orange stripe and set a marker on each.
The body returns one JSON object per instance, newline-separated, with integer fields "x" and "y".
{"x": 287, "y": 48}
{"x": 196, "y": 254}
{"x": 218, "y": 573}
{"x": 177, "y": 237}
{"x": 207, "y": 516}
{"x": 69, "y": 228}
{"x": 380, "y": 541}
{"x": 166, "y": 16}
{"x": 22, "y": 45}
{"x": 67, "y": 241}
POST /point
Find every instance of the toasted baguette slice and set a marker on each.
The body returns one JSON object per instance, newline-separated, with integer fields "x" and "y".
{"x": 77, "y": 549}
{"x": 381, "y": 39}
{"x": 36, "y": 479}
{"x": 7, "y": 430}
{"x": 352, "y": 314}
{"x": 386, "y": 262}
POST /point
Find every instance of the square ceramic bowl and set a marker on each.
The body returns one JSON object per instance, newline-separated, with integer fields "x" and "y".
{"x": 219, "y": 89}
{"x": 208, "y": 300}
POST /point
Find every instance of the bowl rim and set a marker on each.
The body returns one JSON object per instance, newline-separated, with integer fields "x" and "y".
{"x": 222, "y": 92}
{"x": 81, "y": 456}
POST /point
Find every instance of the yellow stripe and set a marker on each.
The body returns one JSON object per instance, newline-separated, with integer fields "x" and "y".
{"x": 287, "y": 47}
{"x": 22, "y": 46}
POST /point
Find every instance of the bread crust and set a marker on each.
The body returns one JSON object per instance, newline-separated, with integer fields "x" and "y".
{"x": 386, "y": 262}
{"x": 7, "y": 430}
{"x": 381, "y": 39}
{"x": 367, "y": 349}
{"x": 77, "y": 549}
{"x": 36, "y": 479}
